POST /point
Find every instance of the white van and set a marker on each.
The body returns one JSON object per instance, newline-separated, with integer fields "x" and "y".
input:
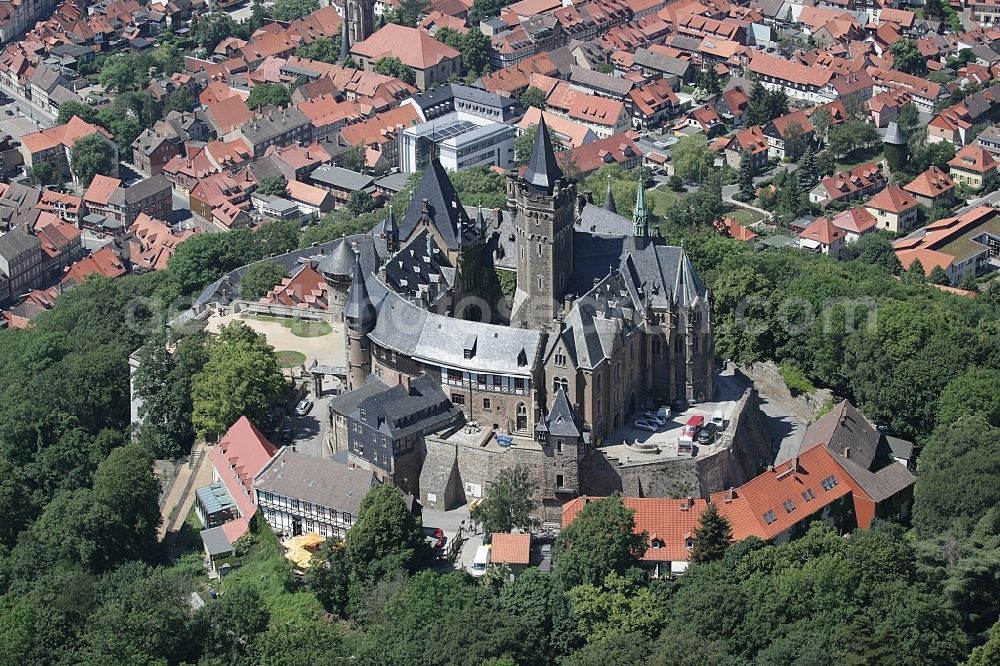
{"x": 718, "y": 419}
{"x": 481, "y": 562}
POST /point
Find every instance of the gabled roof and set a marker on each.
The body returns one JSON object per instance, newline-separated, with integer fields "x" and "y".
{"x": 668, "y": 523}
{"x": 511, "y": 548}
{"x": 823, "y": 231}
{"x": 413, "y": 46}
{"x": 561, "y": 421}
{"x": 974, "y": 158}
{"x": 241, "y": 453}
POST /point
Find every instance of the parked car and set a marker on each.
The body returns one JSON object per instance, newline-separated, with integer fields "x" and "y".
{"x": 643, "y": 424}
{"x": 718, "y": 419}
{"x": 287, "y": 434}
{"x": 304, "y": 406}
{"x": 654, "y": 417}
{"x": 707, "y": 433}
{"x": 665, "y": 412}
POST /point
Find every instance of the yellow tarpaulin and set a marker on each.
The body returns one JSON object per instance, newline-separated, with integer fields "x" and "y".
{"x": 300, "y": 549}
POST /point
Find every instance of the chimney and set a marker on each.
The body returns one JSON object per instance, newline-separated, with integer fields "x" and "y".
{"x": 795, "y": 464}
{"x": 567, "y": 303}
{"x": 497, "y": 217}
{"x": 847, "y": 452}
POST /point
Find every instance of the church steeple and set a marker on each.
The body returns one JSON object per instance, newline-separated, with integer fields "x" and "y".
{"x": 543, "y": 170}
{"x": 345, "y": 39}
{"x": 609, "y": 201}
{"x": 640, "y": 217}
{"x": 391, "y": 231}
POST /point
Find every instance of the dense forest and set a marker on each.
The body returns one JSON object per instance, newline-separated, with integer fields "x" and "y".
{"x": 83, "y": 581}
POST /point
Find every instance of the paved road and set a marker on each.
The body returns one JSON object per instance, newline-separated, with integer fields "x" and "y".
{"x": 30, "y": 110}
{"x": 310, "y": 430}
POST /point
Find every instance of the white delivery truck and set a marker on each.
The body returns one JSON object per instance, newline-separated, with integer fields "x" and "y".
{"x": 481, "y": 562}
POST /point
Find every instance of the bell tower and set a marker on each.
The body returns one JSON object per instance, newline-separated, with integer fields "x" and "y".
{"x": 359, "y": 16}
{"x": 543, "y": 202}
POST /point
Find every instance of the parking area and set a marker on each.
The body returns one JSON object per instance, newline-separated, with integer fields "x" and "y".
{"x": 308, "y": 432}
{"x": 452, "y": 523}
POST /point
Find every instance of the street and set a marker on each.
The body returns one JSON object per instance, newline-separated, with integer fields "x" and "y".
{"x": 28, "y": 110}
{"x": 309, "y": 431}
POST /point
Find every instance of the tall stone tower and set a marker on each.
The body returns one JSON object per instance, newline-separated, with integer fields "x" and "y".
{"x": 359, "y": 15}
{"x": 359, "y": 317}
{"x": 543, "y": 202}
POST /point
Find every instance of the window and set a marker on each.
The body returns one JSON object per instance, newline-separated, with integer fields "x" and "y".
{"x": 808, "y": 494}
{"x": 561, "y": 360}
{"x": 829, "y": 483}
{"x": 560, "y": 480}
{"x": 770, "y": 517}
{"x": 559, "y": 446}
{"x": 560, "y": 383}
{"x": 657, "y": 544}
{"x": 363, "y": 417}
{"x": 458, "y": 399}
{"x": 481, "y": 379}
{"x": 789, "y": 505}
{"x": 486, "y": 403}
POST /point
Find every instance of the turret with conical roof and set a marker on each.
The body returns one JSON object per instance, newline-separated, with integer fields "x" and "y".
{"x": 391, "y": 231}
{"x": 609, "y": 201}
{"x": 543, "y": 171}
{"x": 359, "y": 317}
{"x": 895, "y": 147}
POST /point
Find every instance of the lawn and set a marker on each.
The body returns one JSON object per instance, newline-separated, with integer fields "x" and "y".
{"x": 859, "y": 157}
{"x": 744, "y": 216}
{"x": 290, "y": 359}
{"x": 188, "y": 538}
{"x": 661, "y": 198}
{"x": 303, "y": 328}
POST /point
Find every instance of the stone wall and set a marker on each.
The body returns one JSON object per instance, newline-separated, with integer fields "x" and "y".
{"x": 766, "y": 378}
{"x": 747, "y": 453}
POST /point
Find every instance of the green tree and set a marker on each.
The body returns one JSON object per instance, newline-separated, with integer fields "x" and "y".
{"x": 261, "y": 278}
{"x": 268, "y": 94}
{"x": 476, "y": 49}
{"x": 510, "y": 502}
{"x": 293, "y": 10}
{"x": 620, "y": 606}
{"x": 795, "y": 141}
{"x": 480, "y": 186}
{"x": 600, "y": 540}
{"x": 708, "y": 81}
{"x": 361, "y": 202}
{"x": 208, "y": 31}
{"x": 692, "y": 159}
{"x": 989, "y": 652}
{"x": 92, "y": 155}
{"x": 449, "y": 36}
{"x": 393, "y": 66}
{"x": 81, "y": 110}
{"x": 329, "y": 576}
{"x": 323, "y": 49}
{"x": 906, "y": 57}
{"x": 485, "y": 9}
{"x": 712, "y": 536}
{"x": 387, "y": 537}
{"x": 179, "y": 100}
{"x": 410, "y": 12}
{"x": 240, "y": 378}
{"x": 909, "y": 118}
{"x": 272, "y": 186}
{"x": 43, "y": 173}
{"x": 939, "y": 276}
{"x": 973, "y": 393}
{"x": 821, "y": 121}
{"x": 808, "y": 172}
{"x": 125, "y": 482}
{"x": 876, "y": 249}
{"x": 124, "y": 72}
{"x": 963, "y": 454}
{"x": 747, "y": 190}
{"x": 533, "y": 97}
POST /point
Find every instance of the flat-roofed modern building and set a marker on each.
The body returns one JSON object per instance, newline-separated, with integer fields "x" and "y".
{"x": 459, "y": 141}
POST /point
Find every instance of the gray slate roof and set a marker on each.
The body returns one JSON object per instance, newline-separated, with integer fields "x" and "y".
{"x": 561, "y": 421}
{"x": 543, "y": 171}
{"x": 443, "y": 209}
{"x": 341, "y": 178}
{"x": 318, "y": 480}
{"x": 397, "y": 412}
{"x": 16, "y": 242}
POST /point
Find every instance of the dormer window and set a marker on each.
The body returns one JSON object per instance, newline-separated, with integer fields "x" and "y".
{"x": 657, "y": 544}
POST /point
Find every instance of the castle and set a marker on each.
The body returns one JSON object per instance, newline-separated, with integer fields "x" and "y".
{"x": 606, "y": 320}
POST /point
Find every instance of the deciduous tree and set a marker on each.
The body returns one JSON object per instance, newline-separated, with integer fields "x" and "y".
{"x": 600, "y": 540}
{"x": 510, "y": 502}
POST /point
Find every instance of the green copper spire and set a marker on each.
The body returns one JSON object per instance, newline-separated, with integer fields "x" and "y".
{"x": 640, "y": 218}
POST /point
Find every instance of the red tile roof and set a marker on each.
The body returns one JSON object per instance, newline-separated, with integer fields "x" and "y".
{"x": 415, "y": 47}
{"x": 669, "y": 522}
{"x": 931, "y": 183}
{"x": 511, "y": 548}
{"x": 823, "y": 231}
{"x": 776, "y": 500}
{"x": 855, "y": 220}
{"x": 893, "y": 199}
{"x": 974, "y": 158}
{"x": 240, "y": 454}
{"x": 103, "y": 262}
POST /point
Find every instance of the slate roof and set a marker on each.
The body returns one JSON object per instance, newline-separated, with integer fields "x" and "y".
{"x": 543, "y": 171}
{"x": 16, "y": 242}
{"x": 397, "y": 412}
{"x": 359, "y": 304}
{"x": 340, "y": 262}
{"x": 561, "y": 421}
{"x": 320, "y": 481}
{"x": 420, "y": 270}
{"x": 443, "y": 209}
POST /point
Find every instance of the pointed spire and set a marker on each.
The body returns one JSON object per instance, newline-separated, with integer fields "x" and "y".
{"x": 609, "y": 201}
{"x": 345, "y": 39}
{"x": 561, "y": 420}
{"x": 543, "y": 171}
{"x": 640, "y": 217}
{"x": 391, "y": 231}
{"x": 359, "y": 311}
